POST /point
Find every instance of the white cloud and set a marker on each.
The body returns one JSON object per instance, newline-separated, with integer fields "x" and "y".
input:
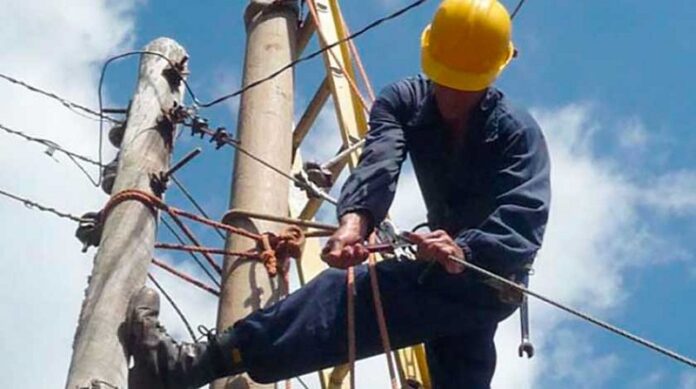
{"x": 673, "y": 193}
{"x": 56, "y": 45}
{"x": 633, "y": 134}
{"x": 687, "y": 380}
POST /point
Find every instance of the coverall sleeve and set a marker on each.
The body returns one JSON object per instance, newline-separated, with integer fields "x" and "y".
{"x": 371, "y": 186}
{"x": 512, "y": 234}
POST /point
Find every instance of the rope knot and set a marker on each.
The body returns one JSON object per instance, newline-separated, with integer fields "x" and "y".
{"x": 276, "y": 250}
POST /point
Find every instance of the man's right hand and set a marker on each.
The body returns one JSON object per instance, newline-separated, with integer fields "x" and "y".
{"x": 346, "y": 246}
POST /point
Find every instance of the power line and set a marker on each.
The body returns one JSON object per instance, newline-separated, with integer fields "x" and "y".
{"x": 194, "y": 256}
{"x": 174, "y": 305}
{"x": 314, "y": 54}
{"x": 193, "y": 201}
{"x": 517, "y": 9}
{"x": 53, "y": 147}
{"x": 74, "y": 107}
{"x": 174, "y": 67}
{"x": 614, "y": 329}
{"x": 34, "y": 205}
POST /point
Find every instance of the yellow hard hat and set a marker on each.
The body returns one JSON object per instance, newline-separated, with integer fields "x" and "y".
{"x": 467, "y": 44}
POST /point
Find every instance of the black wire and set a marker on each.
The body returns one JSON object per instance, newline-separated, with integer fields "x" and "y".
{"x": 173, "y": 304}
{"x": 193, "y": 201}
{"x": 517, "y": 9}
{"x": 51, "y": 145}
{"x": 193, "y": 255}
{"x": 72, "y": 106}
{"x": 34, "y": 205}
{"x": 302, "y": 383}
{"x": 314, "y": 54}
{"x": 101, "y": 85}
{"x": 600, "y": 323}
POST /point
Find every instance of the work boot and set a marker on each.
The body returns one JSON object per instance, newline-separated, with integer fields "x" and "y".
{"x": 163, "y": 363}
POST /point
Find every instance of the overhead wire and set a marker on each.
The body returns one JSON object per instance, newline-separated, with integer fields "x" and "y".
{"x": 174, "y": 305}
{"x": 193, "y": 255}
{"x": 517, "y": 9}
{"x": 75, "y": 107}
{"x": 34, "y": 205}
{"x": 53, "y": 146}
{"x": 614, "y": 329}
{"x": 193, "y": 201}
{"x": 102, "y": 76}
{"x": 314, "y": 54}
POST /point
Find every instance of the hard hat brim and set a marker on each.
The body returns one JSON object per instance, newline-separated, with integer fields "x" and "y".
{"x": 453, "y": 78}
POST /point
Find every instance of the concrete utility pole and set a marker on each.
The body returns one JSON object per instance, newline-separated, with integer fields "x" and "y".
{"x": 120, "y": 266}
{"x": 264, "y": 129}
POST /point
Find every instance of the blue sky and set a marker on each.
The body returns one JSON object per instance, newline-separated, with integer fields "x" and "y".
{"x": 611, "y": 83}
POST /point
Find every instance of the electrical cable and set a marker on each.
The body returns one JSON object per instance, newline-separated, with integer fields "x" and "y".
{"x": 53, "y": 146}
{"x": 102, "y": 76}
{"x": 34, "y": 205}
{"x": 616, "y": 330}
{"x": 314, "y": 54}
{"x": 193, "y": 201}
{"x": 517, "y": 9}
{"x": 193, "y": 255}
{"x": 174, "y": 305}
{"x": 74, "y": 107}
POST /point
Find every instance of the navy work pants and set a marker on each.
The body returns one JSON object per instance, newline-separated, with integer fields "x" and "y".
{"x": 455, "y": 315}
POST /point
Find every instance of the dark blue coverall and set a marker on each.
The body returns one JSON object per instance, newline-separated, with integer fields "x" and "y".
{"x": 491, "y": 195}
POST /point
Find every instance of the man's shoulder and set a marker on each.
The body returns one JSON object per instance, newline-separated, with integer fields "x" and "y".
{"x": 406, "y": 92}
{"x": 512, "y": 118}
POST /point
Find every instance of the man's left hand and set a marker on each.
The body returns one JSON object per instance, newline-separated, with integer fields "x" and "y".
{"x": 438, "y": 246}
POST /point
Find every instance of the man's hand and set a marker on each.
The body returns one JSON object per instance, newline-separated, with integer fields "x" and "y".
{"x": 438, "y": 246}
{"x": 345, "y": 248}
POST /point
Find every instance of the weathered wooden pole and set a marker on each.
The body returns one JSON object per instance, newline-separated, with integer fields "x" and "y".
{"x": 264, "y": 129}
{"x": 120, "y": 266}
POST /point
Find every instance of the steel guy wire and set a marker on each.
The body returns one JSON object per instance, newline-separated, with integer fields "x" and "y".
{"x": 52, "y": 147}
{"x": 295, "y": 180}
{"x": 75, "y": 107}
{"x": 174, "y": 305}
{"x": 34, "y": 205}
{"x": 49, "y": 144}
{"x": 193, "y": 255}
{"x": 193, "y": 201}
{"x": 609, "y": 327}
{"x": 314, "y": 54}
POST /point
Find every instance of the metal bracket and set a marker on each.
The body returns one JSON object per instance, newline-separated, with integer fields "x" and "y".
{"x": 160, "y": 181}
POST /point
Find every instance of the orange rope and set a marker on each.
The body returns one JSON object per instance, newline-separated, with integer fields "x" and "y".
{"x": 351, "y": 82}
{"x": 205, "y": 250}
{"x": 186, "y": 277}
{"x": 273, "y": 249}
{"x": 351, "y": 324}
{"x": 358, "y": 62}
{"x": 381, "y": 320}
{"x": 155, "y": 202}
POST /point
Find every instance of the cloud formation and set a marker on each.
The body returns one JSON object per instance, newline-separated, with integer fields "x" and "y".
{"x": 57, "y": 45}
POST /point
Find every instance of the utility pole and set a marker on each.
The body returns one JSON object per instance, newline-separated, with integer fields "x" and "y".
{"x": 127, "y": 244}
{"x": 264, "y": 129}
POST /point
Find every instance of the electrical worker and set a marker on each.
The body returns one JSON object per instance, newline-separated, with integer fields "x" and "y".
{"x": 483, "y": 169}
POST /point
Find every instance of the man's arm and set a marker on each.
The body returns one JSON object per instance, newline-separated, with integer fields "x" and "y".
{"x": 371, "y": 186}
{"x": 512, "y": 234}
{"x": 369, "y": 191}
